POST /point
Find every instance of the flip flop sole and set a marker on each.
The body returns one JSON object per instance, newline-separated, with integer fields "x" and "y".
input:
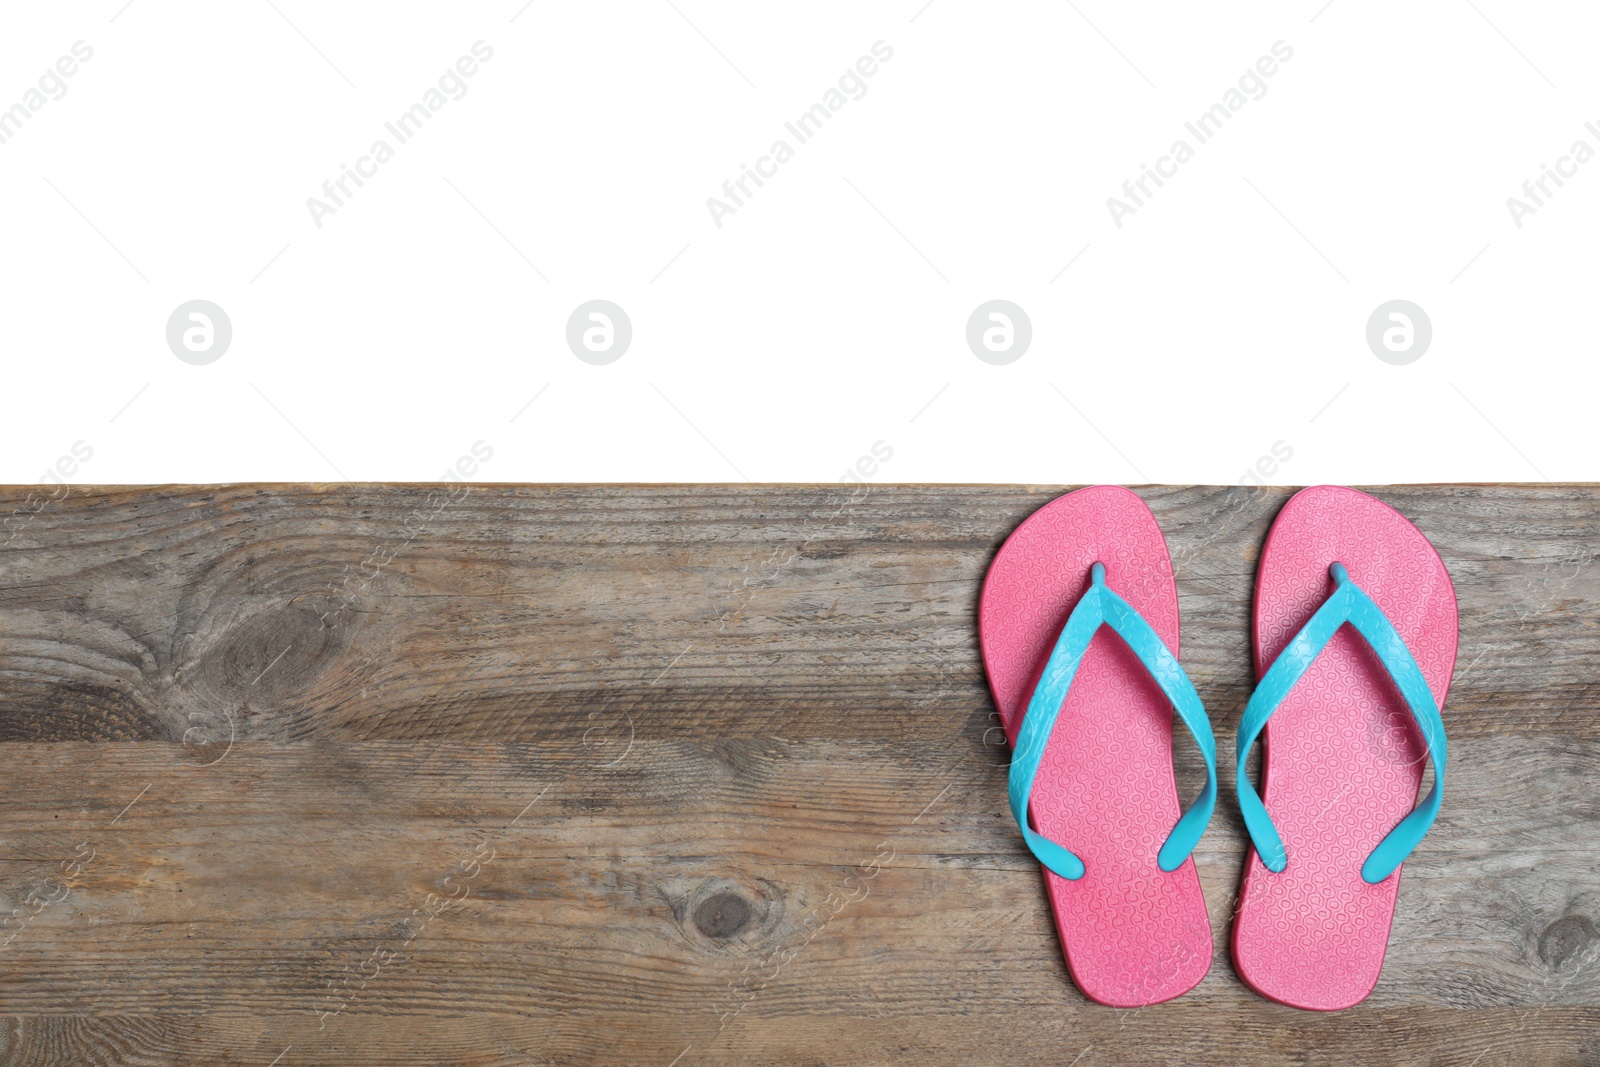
{"x": 1343, "y": 758}
{"x": 1133, "y": 934}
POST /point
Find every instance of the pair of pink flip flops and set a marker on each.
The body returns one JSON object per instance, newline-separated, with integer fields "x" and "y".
{"x": 1358, "y": 607}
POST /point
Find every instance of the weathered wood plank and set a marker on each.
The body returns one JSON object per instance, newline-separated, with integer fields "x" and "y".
{"x": 247, "y": 730}
{"x": 173, "y": 602}
{"x": 281, "y": 861}
{"x": 1169, "y": 1033}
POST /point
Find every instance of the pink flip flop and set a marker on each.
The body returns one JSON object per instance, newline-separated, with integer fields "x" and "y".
{"x": 1079, "y": 626}
{"x": 1355, "y": 641}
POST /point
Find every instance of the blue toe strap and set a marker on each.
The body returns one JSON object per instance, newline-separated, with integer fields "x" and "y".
{"x": 1102, "y": 607}
{"x": 1349, "y": 603}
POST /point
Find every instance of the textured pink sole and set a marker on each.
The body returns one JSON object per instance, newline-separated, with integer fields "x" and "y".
{"x": 1133, "y": 934}
{"x": 1343, "y": 759}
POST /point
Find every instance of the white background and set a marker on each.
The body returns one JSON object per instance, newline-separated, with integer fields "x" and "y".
{"x": 829, "y": 313}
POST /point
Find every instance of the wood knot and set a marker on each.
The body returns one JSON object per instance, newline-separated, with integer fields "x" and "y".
{"x": 1568, "y": 937}
{"x": 725, "y": 914}
{"x": 722, "y": 915}
{"x": 269, "y": 656}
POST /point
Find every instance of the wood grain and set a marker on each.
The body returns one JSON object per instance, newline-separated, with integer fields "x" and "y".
{"x": 711, "y": 772}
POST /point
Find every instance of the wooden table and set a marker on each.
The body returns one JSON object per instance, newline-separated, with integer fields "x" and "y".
{"x": 373, "y": 774}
